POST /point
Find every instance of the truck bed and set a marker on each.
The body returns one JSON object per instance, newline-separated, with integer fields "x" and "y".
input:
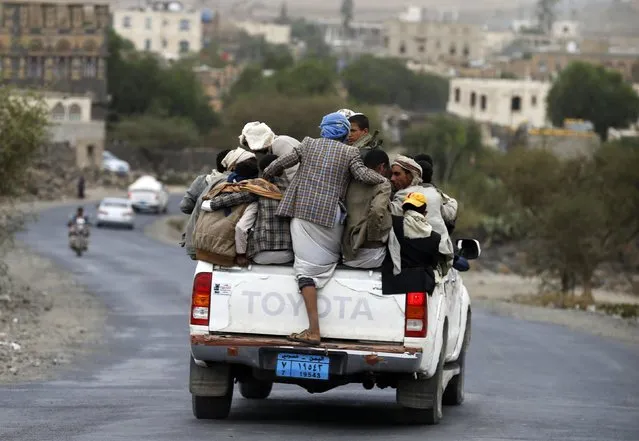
{"x": 264, "y": 300}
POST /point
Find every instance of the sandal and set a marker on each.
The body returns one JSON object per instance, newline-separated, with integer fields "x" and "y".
{"x": 302, "y": 337}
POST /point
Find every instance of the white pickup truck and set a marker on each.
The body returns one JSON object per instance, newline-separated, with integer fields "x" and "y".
{"x": 414, "y": 342}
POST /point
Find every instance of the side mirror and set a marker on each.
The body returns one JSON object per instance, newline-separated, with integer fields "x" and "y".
{"x": 469, "y": 248}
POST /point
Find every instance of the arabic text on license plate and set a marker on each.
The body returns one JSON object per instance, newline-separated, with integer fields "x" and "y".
{"x": 310, "y": 367}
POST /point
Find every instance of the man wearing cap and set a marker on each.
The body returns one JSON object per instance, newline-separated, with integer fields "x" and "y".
{"x": 407, "y": 178}
{"x": 259, "y": 137}
{"x": 420, "y": 249}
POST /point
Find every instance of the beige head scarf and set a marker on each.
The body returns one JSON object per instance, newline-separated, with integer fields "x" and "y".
{"x": 411, "y": 166}
{"x": 236, "y": 156}
{"x": 257, "y": 135}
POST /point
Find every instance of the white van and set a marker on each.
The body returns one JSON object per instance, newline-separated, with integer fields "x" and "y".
{"x": 148, "y": 194}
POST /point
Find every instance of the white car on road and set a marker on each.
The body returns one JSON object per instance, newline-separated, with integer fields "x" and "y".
{"x": 149, "y": 194}
{"x": 114, "y": 164}
{"x": 413, "y": 342}
{"x": 115, "y": 211}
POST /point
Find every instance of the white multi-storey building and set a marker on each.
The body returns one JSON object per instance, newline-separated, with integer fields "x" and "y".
{"x": 166, "y": 28}
{"x": 501, "y": 102}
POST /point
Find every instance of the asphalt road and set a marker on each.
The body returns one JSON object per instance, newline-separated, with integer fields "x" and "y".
{"x": 525, "y": 381}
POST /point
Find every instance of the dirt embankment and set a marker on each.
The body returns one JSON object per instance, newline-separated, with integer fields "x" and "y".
{"x": 46, "y": 321}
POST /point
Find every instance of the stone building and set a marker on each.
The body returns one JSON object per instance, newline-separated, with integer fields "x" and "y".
{"x": 166, "y": 28}
{"x": 54, "y": 45}
{"x": 431, "y": 42}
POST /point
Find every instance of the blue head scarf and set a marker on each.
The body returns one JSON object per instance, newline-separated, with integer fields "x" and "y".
{"x": 335, "y": 126}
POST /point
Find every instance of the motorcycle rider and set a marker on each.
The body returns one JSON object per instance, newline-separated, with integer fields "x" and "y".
{"x": 78, "y": 214}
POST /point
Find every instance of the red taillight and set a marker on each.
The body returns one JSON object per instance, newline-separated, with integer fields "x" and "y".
{"x": 129, "y": 195}
{"x": 201, "y": 299}
{"x": 416, "y": 322}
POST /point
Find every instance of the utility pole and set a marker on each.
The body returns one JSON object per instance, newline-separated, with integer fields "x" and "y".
{"x": 546, "y": 14}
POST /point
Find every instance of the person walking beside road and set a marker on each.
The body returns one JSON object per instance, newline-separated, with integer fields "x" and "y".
{"x": 314, "y": 202}
{"x": 81, "y": 187}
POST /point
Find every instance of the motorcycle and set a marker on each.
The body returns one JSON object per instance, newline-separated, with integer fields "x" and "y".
{"x": 79, "y": 236}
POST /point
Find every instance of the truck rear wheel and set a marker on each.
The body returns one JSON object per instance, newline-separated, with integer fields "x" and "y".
{"x": 422, "y": 398}
{"x": 256, "y": 389}
{"x": 454, "y": 393}
{"x": 211, "y": 391}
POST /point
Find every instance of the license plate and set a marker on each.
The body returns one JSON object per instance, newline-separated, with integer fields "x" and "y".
{"x": 308, "y": 367}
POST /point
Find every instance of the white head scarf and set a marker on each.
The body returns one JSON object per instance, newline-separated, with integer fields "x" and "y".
{"x": 411, "y": 166}
{"x": 346, "y": 112}
{"x": 236, "y": 156}
{"x": 257, "y": 135}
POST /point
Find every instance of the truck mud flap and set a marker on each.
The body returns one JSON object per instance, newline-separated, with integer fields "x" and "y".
{"x": 211, "y": 381}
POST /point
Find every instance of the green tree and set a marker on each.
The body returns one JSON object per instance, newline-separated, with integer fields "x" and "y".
{"x": 635, "y": 72}
{"x": 138, "y": 84}
{"x": 595, "y": 94}
{"x": 452, "y": 143}
{"x": 153, "y": 136}
{"x": 23, "y": 124}
{"x": 309, "y": 77}
{"x": 580, "y": 214}
{"x": 287, "y": 115}
{"x": 388, "y": 81}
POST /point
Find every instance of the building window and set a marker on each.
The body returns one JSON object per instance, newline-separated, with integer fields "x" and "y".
{"x": 466, "y": 51}
{"x": 35, "y": 67}
{"x": 482, "y": 102}
{"x": 515, "y": 104}
{"x": 421, "y": 48}
{"x": 184, "y": 46}
{"x": 185, "y": 25}
{"x": 60, "y": 68}
{"x": 126, "y": 22}
{"x": 90, "y": 68}
{"x": 148, "y": 23}
{"x": 473, "y": 99}
{"x": 457, "y": 94}
{"x": 164, "y": 43}
{"x": 533, "y": 100}
{"x": 147, "y": 44}
{"x": 453, "y": 50}
{"x": 57, "y": 113}
{"x": 402, "y": 48}
{"x": 75, "y": 113}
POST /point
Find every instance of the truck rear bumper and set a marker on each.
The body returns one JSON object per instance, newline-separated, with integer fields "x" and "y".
{"x": 346, "y": 358}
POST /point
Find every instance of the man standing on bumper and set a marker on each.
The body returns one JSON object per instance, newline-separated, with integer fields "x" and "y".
{"x": 314, "y": 201}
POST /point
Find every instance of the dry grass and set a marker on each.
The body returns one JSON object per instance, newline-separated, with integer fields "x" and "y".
{"x": 564, "y": 301}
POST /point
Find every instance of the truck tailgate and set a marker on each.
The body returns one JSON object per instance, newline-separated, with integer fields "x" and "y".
{"x": 265, "y": 300}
